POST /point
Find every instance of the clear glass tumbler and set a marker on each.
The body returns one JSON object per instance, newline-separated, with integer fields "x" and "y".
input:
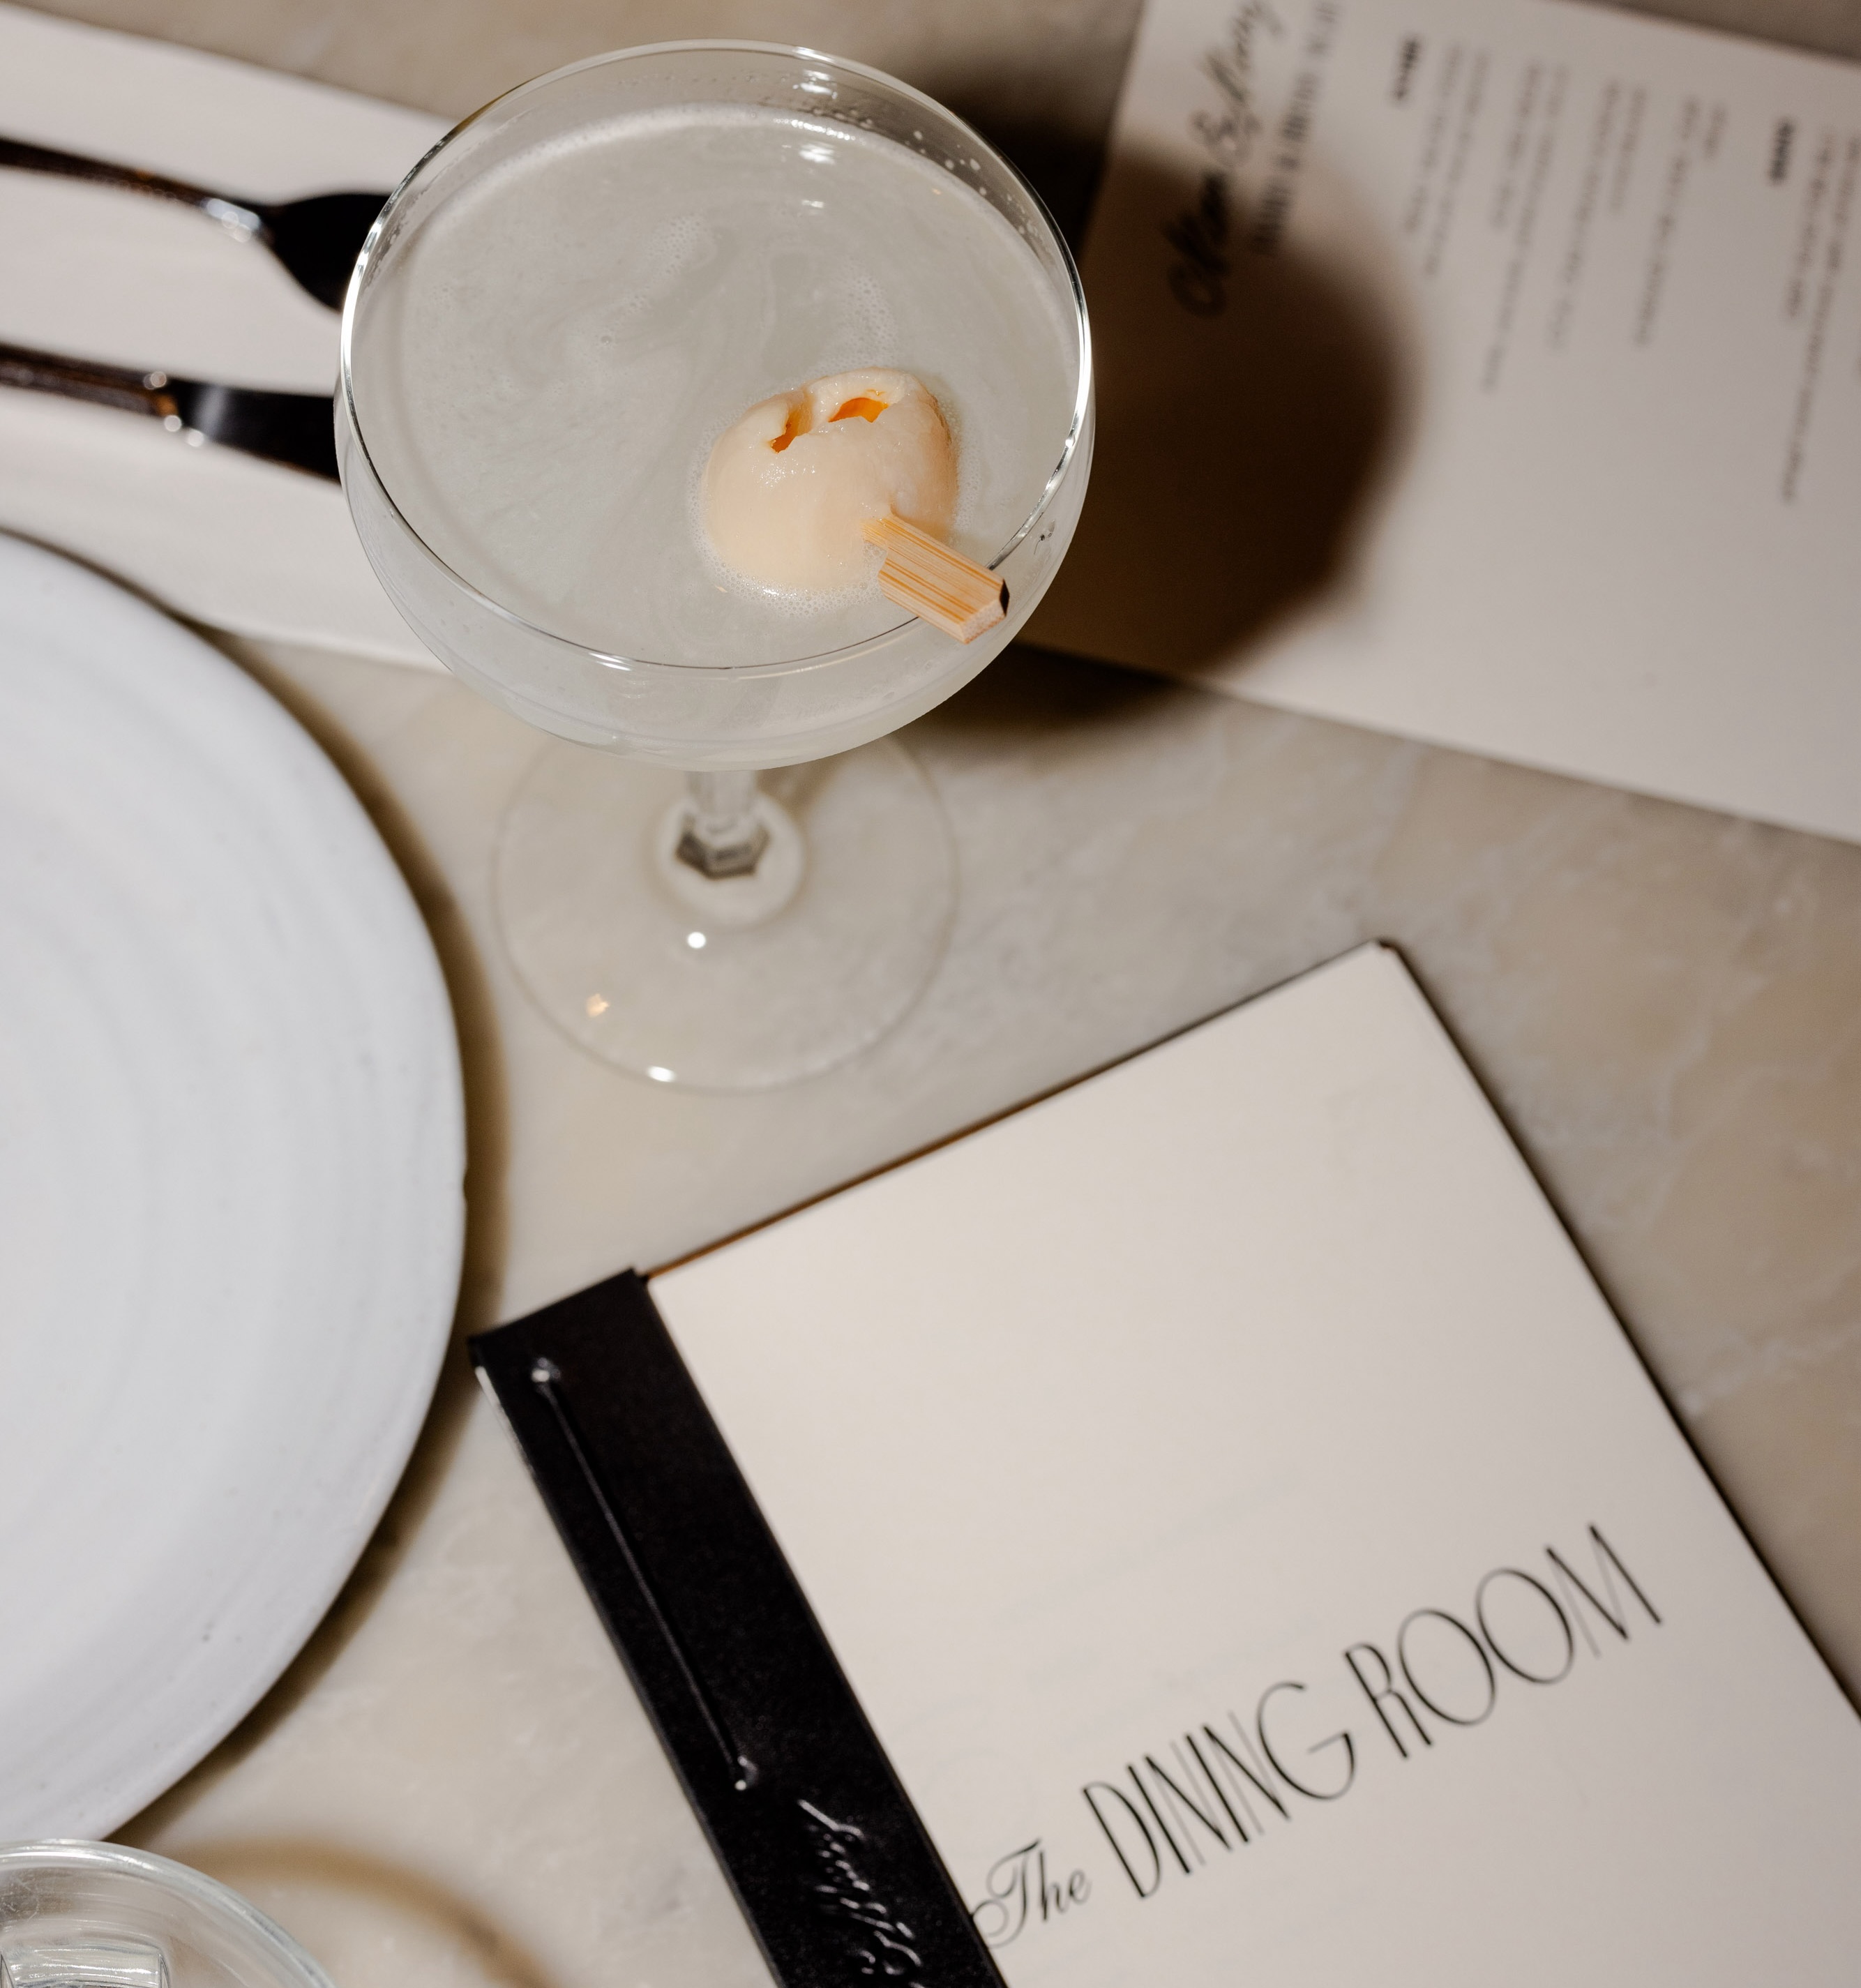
{"x": 670, "y": 913}
{"x": 94, "y": 1916}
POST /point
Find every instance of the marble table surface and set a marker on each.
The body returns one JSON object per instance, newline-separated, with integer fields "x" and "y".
{"x": 454, "y": 1783}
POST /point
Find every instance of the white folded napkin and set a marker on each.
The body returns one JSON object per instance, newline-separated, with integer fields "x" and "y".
{"x": 219, "y": 537}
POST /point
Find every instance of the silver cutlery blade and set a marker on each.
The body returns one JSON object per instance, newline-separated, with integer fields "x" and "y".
{"x": 295, "y": 429}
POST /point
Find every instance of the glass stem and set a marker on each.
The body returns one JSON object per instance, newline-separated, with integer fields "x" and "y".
{"x": 723, "y": 834}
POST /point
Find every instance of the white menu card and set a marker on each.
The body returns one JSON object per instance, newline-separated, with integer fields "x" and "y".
{"x": 1262, "y": 1553}
{"x": 1488, "y": 371}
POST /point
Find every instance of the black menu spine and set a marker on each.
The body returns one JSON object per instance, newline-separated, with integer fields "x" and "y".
{"x": 833, "y": 1869}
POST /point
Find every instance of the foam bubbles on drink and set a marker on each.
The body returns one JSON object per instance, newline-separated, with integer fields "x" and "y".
{"x": 672, "y": 249}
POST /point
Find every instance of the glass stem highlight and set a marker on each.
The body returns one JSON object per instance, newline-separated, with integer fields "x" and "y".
{"x": 722, "y": 835}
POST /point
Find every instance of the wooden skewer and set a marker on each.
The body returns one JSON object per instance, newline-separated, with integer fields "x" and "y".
{"x": 925, "y": 576}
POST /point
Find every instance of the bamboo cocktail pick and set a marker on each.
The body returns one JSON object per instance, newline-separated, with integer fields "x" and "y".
{"x": 927, "y": 578}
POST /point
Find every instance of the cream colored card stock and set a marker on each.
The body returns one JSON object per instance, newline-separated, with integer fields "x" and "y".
{"x": 1488, "y": 371}
{"x": 1262, "y": 1552}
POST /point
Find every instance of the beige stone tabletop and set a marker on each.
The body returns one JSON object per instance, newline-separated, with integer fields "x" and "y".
{"x": 454, "y": 1783}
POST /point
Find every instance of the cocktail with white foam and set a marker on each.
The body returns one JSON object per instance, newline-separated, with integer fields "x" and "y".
{"x": 563, "y": 310}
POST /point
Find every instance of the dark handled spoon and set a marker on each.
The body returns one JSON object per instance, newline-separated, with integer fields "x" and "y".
{"x": 292, "y": 428}
{"x": 317, "y": 240}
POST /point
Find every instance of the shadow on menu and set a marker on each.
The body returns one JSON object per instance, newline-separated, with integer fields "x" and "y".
{"x": 1250, "y": 406}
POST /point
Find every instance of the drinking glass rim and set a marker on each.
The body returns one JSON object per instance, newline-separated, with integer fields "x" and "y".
{"x": 75, "y": 1854}
{"x": 788, "y": 666}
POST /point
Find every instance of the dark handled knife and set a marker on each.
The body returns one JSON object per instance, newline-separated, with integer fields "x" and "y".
{"x": 296, "y": 429}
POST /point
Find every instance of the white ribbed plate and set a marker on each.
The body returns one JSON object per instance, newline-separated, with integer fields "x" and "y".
{"x": 231, "y": 1150}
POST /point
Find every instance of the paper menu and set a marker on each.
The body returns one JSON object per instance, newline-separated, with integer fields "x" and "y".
{"x": 1488, "y": 371}
{"x": 1116, "y": 1444}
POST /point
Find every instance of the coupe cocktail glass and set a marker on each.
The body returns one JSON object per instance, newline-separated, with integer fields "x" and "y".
{"x": 558, "y": 309}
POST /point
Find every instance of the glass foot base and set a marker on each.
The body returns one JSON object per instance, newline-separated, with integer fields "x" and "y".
{"x": 730, "y": 983}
